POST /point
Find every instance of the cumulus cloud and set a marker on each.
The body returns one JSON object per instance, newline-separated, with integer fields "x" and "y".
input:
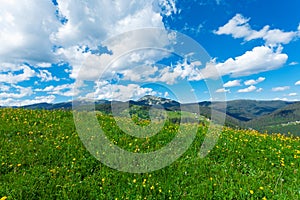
{"x": 41, "y": 34}
{"x": 97, "y": 24}
{"x": 248, "y": 89}
{"x": 23, "y": 73}
{"x": 105, "y": 90}
{"x": 19, "y": 92}
{"x": 23, "y": 102}
{"x": 222, "y": 90}
{"x": 25, "y": 29}
{"x": 182, "y": 70}
{"x": 292, "y": 94}
{"x": 254, "y": 82}
{"x": 91, "y": 23}
{"x": 67, "y": 90}
{"x": 232, "y": 83}
{"x": 259, "y": 59}
{"x": 279, "y": 89}
{"x": 297, "y": 83}
{"x": 239, "y": 27}
{"x": 46, "y": 76}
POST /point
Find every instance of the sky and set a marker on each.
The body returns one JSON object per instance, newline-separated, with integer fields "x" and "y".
{"x": 59, "y": 50}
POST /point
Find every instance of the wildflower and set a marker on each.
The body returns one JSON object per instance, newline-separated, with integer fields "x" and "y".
{"x": 264, "y": 198}
{"x": 261, "y": 188}
{"x": 152, "y": 187}
{"x": 134, "y": 181}
{"x": 19, "y": 165}
{"x": 103, "y": 179}
{"x": 251, "y": 192}
{"x": 4, "y": 198}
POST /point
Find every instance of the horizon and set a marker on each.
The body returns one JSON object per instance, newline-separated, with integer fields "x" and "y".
{"x": 188, "y": 51}
{"x": 95, "y": 100}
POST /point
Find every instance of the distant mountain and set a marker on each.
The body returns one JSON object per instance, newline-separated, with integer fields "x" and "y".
{"x": 260, "y": 115}
{"x": 154, "y": 100}
{"x": 46, "y": 106}
{"x": 246, "y": 110}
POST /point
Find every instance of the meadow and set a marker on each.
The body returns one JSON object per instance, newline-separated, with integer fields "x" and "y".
{"x": 42, "y": 157}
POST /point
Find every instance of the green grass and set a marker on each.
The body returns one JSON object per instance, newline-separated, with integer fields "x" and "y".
{"x": 42, "y": 157}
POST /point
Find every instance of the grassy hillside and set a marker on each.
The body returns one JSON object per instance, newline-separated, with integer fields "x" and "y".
{"x": 42, "y": 157}
{"x": 283, "y": 120}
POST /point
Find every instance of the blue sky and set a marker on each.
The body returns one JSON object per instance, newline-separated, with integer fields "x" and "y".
{"x": 52, "y": 51}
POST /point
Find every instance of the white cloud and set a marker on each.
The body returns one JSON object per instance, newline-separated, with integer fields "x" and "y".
{"x": 259, "y": 59}
{"x": 168, "y": 7}
{"x": 254, "y": 82}
{"x": 292, "y": 94}
{"x": 222, "y": 90}
{"x": 25, "y": 29}
{"x": 297, "y": 83}
{"x": 31, "y": 32}
{"x": 63, "y": 90}
{"x": 182, "y": 70}
{"x": 232, "y": 83}
{"x": 19, "y": 92}
{"x": 281, "y": 99}
{"x": 248, "y": 89}
{"x": 98, "y": 22}
{"x": 105, "y": 90}
{"x": 239, "y": 27}
{"x": 23, "y": 102}
{"x": 46, "y": 76}
{"x": 20, "y": 74}
{"x": 293, "y": 63}
{"x": 4, "y": 88}
{"x": 259, "y": 90}
{"x": 279, "y": 89}
{"x": 44, "y": 65}
{"x": 91, "y": 23}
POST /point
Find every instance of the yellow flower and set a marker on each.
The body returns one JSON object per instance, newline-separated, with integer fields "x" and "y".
{"x": 134, "y": 180}
{"x": 152, "y": 187}
{"x": 19, "y": 165}
{"x": 261, "y": 188}
{"x": 4, "y": 198}
{"x": 103, "y": 179}
{"x": 251, "y": 192}
{"x": 264, "y": 198}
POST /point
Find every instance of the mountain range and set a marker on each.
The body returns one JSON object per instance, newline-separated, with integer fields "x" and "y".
{"x": 272, "y": 116}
